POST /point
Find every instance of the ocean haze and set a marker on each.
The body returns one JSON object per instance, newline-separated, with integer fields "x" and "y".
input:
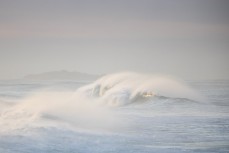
{"x": 187, "y": 39}
{"x": 61, "y": 75}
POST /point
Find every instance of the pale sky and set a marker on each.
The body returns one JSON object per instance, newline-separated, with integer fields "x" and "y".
{"x": 184, "y": 38}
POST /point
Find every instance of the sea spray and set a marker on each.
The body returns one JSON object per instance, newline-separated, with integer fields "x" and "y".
{"x": 49, "y": 108}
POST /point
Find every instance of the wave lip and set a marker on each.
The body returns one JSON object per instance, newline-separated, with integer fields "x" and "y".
{"x": 130, "y": 87}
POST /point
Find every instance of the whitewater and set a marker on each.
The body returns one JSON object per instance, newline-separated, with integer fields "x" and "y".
{"x": 123, "y": 112}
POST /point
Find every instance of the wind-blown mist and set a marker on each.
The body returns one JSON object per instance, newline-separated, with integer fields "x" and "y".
{"x": 142, "y": 111}
{"x": 59, "y": 107}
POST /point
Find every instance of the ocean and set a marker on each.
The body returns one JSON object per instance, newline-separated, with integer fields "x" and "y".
{"x": 119, "y": 113}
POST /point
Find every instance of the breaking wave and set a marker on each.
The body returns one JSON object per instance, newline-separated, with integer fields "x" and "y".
{"x": 129, "y": 87}
{"x": 93, "y": 105}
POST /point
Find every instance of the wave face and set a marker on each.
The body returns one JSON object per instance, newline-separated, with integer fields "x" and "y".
{"x": 129, "y": 87}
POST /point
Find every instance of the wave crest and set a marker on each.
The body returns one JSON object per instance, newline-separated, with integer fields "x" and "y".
{"x": 129, "y": 87}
